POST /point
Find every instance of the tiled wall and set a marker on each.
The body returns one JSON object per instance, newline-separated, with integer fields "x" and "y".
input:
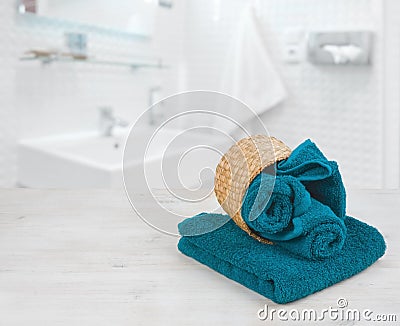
{"x": 339, "y": 107}
{"x": 37, "y": 100}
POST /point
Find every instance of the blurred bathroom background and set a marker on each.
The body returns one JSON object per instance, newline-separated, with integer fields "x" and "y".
{"x": 76, "y": 74}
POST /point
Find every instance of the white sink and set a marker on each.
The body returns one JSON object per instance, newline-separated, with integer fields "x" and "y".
{"x": 87, "y": 160}
{"x": 71, "y": 161}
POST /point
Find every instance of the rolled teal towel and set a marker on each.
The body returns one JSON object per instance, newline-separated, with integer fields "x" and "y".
{"x": 271, "y": 270}
{"x": 270, "y": 203}
{"x": 320, "y": 176}
{"x": 317, "y": 234}
{"x": 281, "y": 209}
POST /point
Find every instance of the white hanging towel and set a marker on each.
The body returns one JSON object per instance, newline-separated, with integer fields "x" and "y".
{"x": 249, "y": 73}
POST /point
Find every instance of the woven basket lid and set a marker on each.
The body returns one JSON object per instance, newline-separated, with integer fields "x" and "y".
{"x": 237, "y": 169}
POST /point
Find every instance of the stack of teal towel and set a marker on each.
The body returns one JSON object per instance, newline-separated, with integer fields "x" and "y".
{"x": 303, "y": 211}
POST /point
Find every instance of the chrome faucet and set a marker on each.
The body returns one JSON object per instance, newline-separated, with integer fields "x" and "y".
{"x": 152, "y": 100}
{"x": 108, "y": 121}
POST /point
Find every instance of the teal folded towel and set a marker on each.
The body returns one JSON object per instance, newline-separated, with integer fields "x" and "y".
{"x": 271, "y": 270}
{"x": 281, "y": 209}
{"x": 320, "y": 176}
{"x": 271, "y": 202}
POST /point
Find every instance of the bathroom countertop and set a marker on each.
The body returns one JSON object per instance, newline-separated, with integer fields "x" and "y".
{"x": 82, "y": 257}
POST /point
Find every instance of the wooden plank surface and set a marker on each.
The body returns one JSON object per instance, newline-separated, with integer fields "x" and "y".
{"x": 82, "y": 257}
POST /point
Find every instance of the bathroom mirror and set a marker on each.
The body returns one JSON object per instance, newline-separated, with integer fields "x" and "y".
{"x": 126, "y": 16}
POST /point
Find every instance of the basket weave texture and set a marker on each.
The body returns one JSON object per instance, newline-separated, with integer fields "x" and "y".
{"x": 237, "y": 169}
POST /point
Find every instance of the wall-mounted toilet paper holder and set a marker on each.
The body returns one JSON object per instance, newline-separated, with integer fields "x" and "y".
{"x": 340, "y": 48}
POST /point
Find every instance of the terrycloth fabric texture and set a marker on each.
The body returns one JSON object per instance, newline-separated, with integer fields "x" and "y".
{"x": 316, "y": 234}
{"x": 320, "y": 176}
{"x": 281, "y": 209}
{"x": 271, "y": 202}
{"x": 271, "y": 270}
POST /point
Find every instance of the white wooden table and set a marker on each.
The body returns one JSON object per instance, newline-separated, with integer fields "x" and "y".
{"x": 82, "y": 257}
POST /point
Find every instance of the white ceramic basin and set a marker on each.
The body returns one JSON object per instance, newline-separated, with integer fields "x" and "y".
{"x": 71, "y": 161}
{"x": 87, "y": 160}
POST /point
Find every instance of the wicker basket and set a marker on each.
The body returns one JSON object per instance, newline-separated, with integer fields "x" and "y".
{"x": 237, "y": 169}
